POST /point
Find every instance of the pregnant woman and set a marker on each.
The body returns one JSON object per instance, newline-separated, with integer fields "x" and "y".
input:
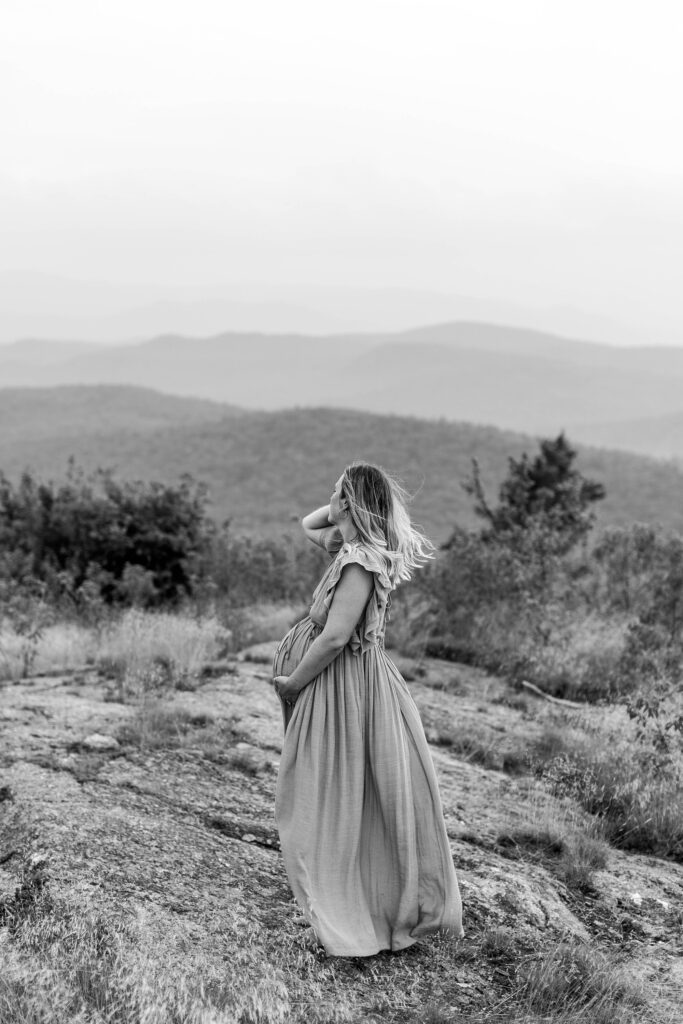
{"x": 357, "y": 803}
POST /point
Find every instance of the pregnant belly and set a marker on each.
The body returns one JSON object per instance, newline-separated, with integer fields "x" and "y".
{"x": 294, "y": 645}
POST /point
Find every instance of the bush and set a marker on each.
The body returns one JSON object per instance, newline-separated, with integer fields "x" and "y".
{"x": 517, "y": 610}
{"x": 138, "y": 542}
{"x": 585, "y": 624}
{"x": 642, "y": 573}
{"x": 244, "y": 570}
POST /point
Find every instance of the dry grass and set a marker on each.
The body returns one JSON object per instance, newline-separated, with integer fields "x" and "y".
{"x": 580, "y": 657}
{"x": 132, "y": 647}
{"x": 478, "y": 743}
{"x": 68, "y": 963}
{"x": 155, "y": 726}
{"x": 575, "y": 982}
{"x": 561, "y": 833}
{"x": 66, "y": 966}
{"x": 640, "y": 812}
{"x": 637, "y": 797}
{"x": 561, "y": 983}
{"x": 57, "y": 648}
{"x": 141, "y": 648}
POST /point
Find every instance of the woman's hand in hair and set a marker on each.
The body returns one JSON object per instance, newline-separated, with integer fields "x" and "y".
{"x": 320, "y": 530}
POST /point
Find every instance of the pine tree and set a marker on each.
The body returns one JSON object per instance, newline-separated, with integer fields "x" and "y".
{"x": 547, "y": 492}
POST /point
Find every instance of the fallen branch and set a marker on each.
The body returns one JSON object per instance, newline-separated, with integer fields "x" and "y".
{"x": 553, "y": 700}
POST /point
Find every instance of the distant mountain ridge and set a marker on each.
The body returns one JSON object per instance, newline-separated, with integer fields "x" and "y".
{"x": 34, "y": 304}
{"x": 513, "y": 378}
{"x": 264, "y": 470}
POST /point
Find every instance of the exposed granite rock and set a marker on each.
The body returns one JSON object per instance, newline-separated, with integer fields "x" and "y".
{"x": 188, "y": 828}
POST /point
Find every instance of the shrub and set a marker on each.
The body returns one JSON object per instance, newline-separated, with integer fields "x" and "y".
{"x": 141, "y": 541}
{"x": 560, "y": 621}
{"x": 516, "y": 611}
{"x": 245, "y": 569}
{"x": 579, "y": 657}
{"x": 642, "y": 573}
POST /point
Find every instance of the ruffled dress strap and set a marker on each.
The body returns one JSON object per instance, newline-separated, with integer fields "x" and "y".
{"x": 370, "y": 630}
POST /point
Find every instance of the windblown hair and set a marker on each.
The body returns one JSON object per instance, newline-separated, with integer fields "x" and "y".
{"x": 377, "y": 506}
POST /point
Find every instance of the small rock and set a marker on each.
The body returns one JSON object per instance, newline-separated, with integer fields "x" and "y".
{"x": 248, "y": 838}
{"x": 99, "y": 742}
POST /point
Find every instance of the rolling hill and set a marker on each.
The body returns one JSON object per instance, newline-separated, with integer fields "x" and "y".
{"x": 514, "y": 378}
{"x": 28, "y": 415}
{"x": 264, "y": 470}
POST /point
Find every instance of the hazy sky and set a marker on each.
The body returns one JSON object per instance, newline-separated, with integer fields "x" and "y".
{"x": 518, "y": 149}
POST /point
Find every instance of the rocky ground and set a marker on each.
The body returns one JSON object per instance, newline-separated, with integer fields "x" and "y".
{"x": 160, "y": 812}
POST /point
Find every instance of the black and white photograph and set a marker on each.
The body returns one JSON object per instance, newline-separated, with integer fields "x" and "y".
{"x": 341, "y": 512}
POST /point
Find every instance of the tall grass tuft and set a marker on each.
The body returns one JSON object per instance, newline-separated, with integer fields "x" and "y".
{"x": 561, "y": 831}
{"x": 55, "y": 648}
{"x": 72, "y": 965}
{"x": 637, "y": 798}
{"x": 143, "y": 646}
{"x": 576, "y": 979}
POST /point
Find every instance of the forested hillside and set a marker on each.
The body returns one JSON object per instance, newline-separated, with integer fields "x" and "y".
{"x": 264, "y": 469}
{"x": 28, "y": 414}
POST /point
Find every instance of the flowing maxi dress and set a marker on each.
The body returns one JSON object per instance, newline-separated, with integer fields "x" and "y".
{"x": 357, "y": 803}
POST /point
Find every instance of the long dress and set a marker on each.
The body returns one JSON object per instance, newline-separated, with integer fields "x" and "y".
{"x": 357, "y": 803}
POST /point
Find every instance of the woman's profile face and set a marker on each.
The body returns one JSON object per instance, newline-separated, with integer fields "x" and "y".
{"x": 336, "y": 503}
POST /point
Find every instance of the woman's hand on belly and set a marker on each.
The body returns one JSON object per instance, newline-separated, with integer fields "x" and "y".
{"x": 288, "y": 691}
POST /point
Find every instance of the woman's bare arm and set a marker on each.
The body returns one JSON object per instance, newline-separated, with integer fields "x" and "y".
{"x": 318, "y": 519}
{"x": 319, "y": 529}
{"x": 348, "y": 604}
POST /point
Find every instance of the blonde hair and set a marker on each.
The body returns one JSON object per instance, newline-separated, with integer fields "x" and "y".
{"x": 377, "y": 506}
